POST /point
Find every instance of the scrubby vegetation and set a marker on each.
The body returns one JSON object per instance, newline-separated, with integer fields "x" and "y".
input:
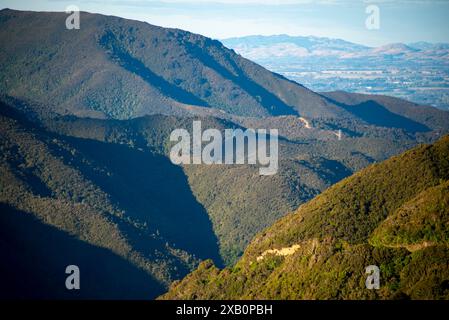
{"x": 420, "y": 222}
{"x": 393, "y": 215}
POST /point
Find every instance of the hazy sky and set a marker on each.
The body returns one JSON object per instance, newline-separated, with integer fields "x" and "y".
{"x": 400, "y": 20}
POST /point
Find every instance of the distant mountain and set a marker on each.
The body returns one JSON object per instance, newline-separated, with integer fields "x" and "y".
{"x": 260, "y": 47}
{"x": 309, "y": 43}
{"x": 417, "y": 72}
{"x": 393, "y": 49}
{"x": 393, "y": 215}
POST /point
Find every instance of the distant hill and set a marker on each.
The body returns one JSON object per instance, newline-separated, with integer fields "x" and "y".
{"x": 259, "y": 47}
{"x": 255, "y": 46}
{"x": 393, "y": 215}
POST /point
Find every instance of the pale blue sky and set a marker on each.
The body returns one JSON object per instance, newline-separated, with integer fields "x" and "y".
{"x": 401, "y": 20}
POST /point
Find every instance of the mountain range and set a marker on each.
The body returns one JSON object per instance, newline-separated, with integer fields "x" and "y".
{"x": 86, "y": 178}
{"x": 416, "y": 71}
{"x": 280, "y": 46}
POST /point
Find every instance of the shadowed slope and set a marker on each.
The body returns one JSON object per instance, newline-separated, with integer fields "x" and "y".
{"x": 35, "y": 256}
{"x": 145, "y": 184}
{"x": 107, "y": 195}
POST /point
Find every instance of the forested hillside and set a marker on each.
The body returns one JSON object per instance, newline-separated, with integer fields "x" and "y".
{"x": 393, "y": 215}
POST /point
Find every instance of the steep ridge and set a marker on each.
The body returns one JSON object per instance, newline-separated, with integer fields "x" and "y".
{"x": 390, "y": 214}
